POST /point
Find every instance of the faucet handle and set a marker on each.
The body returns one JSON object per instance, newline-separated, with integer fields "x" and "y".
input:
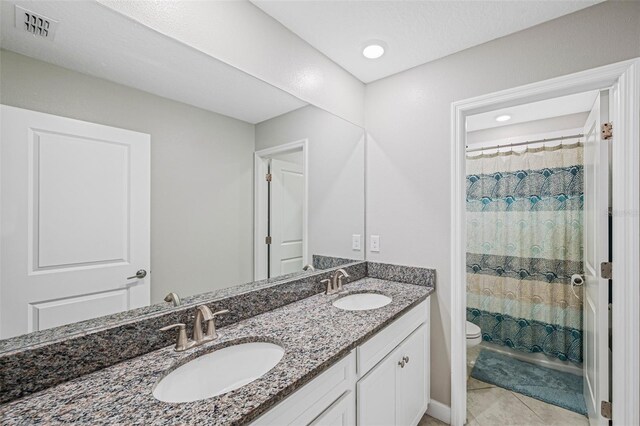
{"x": 182, "y": 343}
{"x": 211, "y": 325}
{"x": 176, "y": 325}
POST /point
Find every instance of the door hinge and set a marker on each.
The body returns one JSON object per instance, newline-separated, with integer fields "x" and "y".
{"x": 606, "y": 269}
{"x": 268, "y": 177}
{"x": 267, "y": 240}
{"x": 605, "y": 409}
{"x": 606, "y": 131}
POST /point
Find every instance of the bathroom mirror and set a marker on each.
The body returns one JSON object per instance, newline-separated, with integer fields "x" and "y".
{"x": 134, "y": 166}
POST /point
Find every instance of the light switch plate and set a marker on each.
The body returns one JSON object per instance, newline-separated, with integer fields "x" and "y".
{"x": 355, "y": 242}
{"x": 375, "y": 243}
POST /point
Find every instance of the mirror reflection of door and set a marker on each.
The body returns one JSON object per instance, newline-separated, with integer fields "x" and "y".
{"x": 285, "y": 253}
{"x": 75, "y": 221}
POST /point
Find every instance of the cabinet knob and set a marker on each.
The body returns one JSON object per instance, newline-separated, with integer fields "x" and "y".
{"x": 405, "y": 359}
{"x": 401, "y": 363}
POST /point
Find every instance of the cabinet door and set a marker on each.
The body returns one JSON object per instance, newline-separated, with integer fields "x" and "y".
{"x": 340, "y": 413}
{"x": 377, "y": 394}
{"x": 412, "y": 378}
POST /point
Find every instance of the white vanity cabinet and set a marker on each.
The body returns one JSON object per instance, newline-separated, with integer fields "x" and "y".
{"x": 395, "y": 391}
{"x": 340, "y": 413}
{"x": 384, "y": 381}
{"x": 329, "y": 397}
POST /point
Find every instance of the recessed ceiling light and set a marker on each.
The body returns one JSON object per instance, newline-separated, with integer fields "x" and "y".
{"x": 373, "y": 50}
{"x": 504, "y": 117}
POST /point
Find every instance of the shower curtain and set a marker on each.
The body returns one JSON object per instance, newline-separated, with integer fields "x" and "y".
{"x": 524, "y": 241}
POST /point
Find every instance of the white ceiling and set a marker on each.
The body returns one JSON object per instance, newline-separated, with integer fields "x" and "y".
{"x": 415, "y": 32}
{"x": 556, "y": 107}
{"x": 93, "y": 39}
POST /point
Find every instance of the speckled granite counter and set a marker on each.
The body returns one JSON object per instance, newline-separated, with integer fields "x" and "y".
{"x": 53, "y": 356}
{"x": 313, "y": 333}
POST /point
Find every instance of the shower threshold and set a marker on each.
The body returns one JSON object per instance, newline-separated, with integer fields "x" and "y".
{"x": 536, "y": 358}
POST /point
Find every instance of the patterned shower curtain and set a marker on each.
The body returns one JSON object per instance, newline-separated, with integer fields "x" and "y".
{"x": 524, "y": 241}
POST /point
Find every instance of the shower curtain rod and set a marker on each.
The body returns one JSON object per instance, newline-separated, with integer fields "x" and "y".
{"x": 559, "y": 138}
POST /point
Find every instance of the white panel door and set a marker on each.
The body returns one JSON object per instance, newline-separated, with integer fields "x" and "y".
{"x": 287, "y": 198}
{"x": 74, "y": 220}
{"x": 596, "y": 250}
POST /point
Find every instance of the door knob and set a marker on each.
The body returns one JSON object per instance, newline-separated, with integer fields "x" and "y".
{"x": 139, "y": 275}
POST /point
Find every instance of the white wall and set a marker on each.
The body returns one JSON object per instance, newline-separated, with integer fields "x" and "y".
{"x": 201, "y": 170}
{"x": 336, "y": 175}
{"x": 407, "y": 117}
{"x": 242, "y": 35}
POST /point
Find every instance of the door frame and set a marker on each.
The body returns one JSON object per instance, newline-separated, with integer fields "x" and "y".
{"x": 624, "y": 80}
{"x": 260, "y": 203}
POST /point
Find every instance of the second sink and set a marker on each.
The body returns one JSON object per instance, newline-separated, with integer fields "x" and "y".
{"x": 218, "y": 372}
{"x": 362, "y": 301}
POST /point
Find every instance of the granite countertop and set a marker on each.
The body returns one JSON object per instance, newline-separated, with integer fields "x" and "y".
{"x": 314, "y": 334}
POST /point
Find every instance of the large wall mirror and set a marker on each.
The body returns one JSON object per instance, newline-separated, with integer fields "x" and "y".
{"x": 134, "y": 167}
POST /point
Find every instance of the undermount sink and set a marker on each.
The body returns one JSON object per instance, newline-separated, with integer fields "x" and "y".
{"x": 362, "y": 301}
{"x": 218, "y": 372}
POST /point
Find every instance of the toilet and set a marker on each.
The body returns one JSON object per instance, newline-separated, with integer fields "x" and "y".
{"x": 474, "y": 335}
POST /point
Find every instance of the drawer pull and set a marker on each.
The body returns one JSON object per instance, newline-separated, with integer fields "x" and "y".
{"x": 401, "y": 363}
{"x": 406, "y": 359}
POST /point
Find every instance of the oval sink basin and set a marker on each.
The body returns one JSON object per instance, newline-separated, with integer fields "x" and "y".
{"x": 218, "y": 372}
{"x": 362, "y": 301}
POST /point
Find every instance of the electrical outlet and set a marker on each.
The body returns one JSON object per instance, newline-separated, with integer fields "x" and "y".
{"x": 355, "y": 242}
{"x": 375, "y": 243}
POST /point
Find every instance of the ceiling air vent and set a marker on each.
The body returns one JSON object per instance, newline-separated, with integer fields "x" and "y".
{"x": 34, "y": 23}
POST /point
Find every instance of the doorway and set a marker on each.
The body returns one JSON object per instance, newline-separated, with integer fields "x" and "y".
{"x": 622, "y": 82}
{"x": 281, "y": 200}
{"x": 533, "y": 294}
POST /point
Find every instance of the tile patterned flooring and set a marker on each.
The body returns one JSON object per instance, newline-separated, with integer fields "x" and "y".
{"x": 489, "y": 405}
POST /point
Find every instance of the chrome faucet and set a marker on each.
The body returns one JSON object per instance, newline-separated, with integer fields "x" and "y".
{"x": 334, "y": 285}
{"x": 203, "y": 313}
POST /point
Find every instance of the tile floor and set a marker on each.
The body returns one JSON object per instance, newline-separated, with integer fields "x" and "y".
{"x": 430, "y": 421}
{"x": 489, "y": 405}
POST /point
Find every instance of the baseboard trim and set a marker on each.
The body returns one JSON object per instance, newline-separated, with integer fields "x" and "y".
{"x": 439, "y": 411}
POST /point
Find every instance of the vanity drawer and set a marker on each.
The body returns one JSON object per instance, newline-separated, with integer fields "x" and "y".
{"x": 306, "y": 404}
{"x": 382, "y": 343}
